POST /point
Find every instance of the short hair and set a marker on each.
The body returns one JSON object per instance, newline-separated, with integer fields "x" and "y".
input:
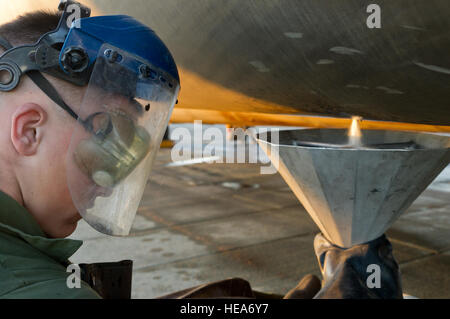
{"x": 28, "y": 28}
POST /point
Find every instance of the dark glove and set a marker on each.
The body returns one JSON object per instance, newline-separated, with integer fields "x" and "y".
{"x": 307, "y": 288}
{"x": 228, "y": 288}
{"x": 351, "y": 272}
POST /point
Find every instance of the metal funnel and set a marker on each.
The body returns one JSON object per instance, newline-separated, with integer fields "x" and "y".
{"x": 354, "y": 195}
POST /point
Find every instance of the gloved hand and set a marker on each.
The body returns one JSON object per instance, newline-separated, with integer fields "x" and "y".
{"x": 346, "y": 271}
{"x": 307, "y": 288}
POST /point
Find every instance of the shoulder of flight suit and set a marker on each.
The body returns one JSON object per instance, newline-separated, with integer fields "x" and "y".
{"x": 31, "y": 264}
{"x": 27, "y": 273}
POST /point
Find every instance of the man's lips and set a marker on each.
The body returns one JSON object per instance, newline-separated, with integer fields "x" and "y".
{"x": 99, "y": 192}
{"x": 103, "y": 191}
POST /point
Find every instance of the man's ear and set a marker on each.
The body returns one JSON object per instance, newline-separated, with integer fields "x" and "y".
{"x": 26, "y": 133}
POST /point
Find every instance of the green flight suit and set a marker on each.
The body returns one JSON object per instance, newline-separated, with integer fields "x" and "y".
{"x": 32, "y": 265}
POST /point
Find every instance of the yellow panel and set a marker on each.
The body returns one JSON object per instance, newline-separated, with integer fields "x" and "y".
{"x": 199, "y": 93}
{"x": 252, "y": 119}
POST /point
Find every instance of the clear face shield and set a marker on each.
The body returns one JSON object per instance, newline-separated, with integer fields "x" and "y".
{"x": 122, "y": 120}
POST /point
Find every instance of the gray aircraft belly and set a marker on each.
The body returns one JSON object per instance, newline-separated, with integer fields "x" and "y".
{"x": 314, "y": 56}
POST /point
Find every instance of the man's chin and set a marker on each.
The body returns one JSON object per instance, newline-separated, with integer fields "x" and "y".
{"x": 74, "y": 218}
{"x": 77, "y": 217}
{"x": 63, "y": 231}
{"x": 69, "y": 227}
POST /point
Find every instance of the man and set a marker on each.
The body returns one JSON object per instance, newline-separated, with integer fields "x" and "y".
{"x": 83, "y": 109}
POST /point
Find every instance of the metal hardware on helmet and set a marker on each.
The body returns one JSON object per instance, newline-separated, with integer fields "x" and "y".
{"x": 75, "y": 60}
{"x": 44, "y": 57}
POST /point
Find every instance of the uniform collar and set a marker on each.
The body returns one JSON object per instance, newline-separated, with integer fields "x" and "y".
{"x": 17, "y": 221}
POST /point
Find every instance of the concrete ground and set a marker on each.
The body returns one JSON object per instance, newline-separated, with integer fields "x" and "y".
{"x": 206, "y": 222}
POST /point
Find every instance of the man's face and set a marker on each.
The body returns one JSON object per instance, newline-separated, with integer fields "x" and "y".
{"x": 82, "y": 191}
